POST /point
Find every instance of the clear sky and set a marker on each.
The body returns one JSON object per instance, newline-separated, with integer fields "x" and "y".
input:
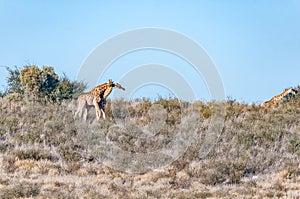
{"x": 254, "y": 44}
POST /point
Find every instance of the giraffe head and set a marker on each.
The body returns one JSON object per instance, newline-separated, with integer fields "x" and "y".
{"x": 110, "y": 83}
{"x": 117, "y": 85}
{"x": 294, "y": 91}
{"x": 290, "y": 92}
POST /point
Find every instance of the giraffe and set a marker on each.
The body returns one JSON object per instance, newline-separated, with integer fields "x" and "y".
{"x": 106, "y": 94}
{"x": 278, "y": 98}
{"x": 95, "y": 98}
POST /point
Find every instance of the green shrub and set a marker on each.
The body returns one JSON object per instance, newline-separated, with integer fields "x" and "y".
{"x": 67, "y": 89}
{"x": 70, "y": 152}
{"x": 3, "y": 147}
{"x": 32, "y": 154}
{"x": 20, "y": 191}
{"x": 294, "y": 146}
{"x": 14, "y": 81}
{"x": 38, "y": 83}
{"x": 43, "y": 84}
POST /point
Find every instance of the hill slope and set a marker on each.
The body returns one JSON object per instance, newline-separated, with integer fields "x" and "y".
{"x": 44, "y": 151}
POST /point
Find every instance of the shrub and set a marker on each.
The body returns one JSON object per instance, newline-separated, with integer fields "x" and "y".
{"x": 38, "y": 83}
{"x": 2, "y": 94}
{"x": 42, "y": 84}
{"x": 67, "y": 89}
{"x": 294, "y": 146}
{"x": 32, "y": 154}
{"x": 70, "y": 152}
{"x": 173, "y": 107}
{"x": 14, "y": 81}
{"x": 20, "y": 191}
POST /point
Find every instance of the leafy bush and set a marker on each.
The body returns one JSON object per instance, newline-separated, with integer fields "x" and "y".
{"x": 43, "y": 84}
{"x": 38, "y": 83}
{"x": 2, "y": 94}
{"x": 14, "y": 81}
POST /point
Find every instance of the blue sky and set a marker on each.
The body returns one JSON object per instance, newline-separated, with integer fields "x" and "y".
{"x": 255, "y": 45}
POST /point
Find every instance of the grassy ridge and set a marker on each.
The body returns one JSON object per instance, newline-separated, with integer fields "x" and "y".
{"x": 44, "y": 151}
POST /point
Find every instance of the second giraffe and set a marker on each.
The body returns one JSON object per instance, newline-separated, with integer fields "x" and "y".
{"x": 278, "y": 98}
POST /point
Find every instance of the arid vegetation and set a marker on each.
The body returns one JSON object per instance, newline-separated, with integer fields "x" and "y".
{"x": 46, "y": 152}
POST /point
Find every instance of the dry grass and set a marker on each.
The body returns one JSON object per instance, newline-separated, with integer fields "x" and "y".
{"x": 45, "y": 152}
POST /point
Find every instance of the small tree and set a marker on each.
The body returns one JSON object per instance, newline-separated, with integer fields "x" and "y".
{"x": 14, "y": 81}
{"x": 38, "y": 83}
{"x": 2, "y": 93}
{"x": 42, "y": 84}
{"x": 50, "y": 80}
{"x": 67, "y": 89}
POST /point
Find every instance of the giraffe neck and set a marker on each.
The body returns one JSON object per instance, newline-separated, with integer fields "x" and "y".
{"x": 279, "y": 97}
{"x": 107, "y": 92}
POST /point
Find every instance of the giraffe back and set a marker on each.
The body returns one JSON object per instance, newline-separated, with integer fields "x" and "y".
{"x": 86, "y": 98}
{"x": 278, "y": 98}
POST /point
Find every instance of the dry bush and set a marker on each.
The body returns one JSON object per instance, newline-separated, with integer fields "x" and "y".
{"x": 34, "y": 154}
{"x": 20, "y": 191}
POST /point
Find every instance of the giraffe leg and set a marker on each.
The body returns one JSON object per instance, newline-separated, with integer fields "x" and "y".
{"x": 79, "y": 108}
{"x": 103, "y": 113}
{"x": 77, "y": 112}
{"x": 102, "y": 107}
{"x": 97, "y": 108}
{"x": 98, "y": 112}
{"x": 84, "y": 114}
